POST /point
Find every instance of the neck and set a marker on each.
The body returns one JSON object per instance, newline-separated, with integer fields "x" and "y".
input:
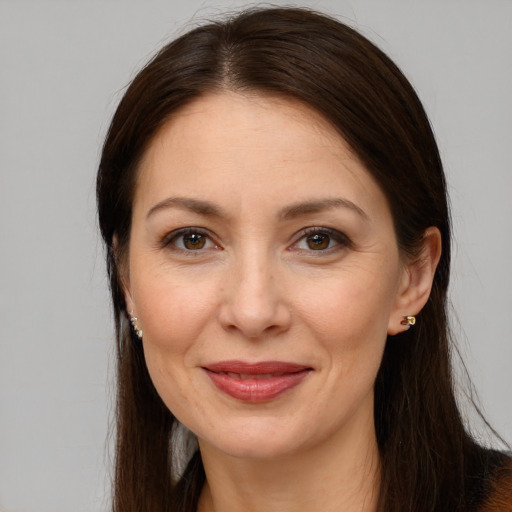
{"x": 341, "y": 474}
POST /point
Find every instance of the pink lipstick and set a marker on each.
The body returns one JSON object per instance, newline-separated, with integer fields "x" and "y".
{"x": 256, "y": 382}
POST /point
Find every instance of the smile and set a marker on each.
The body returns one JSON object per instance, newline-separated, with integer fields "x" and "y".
{"x": 246, "y": 376}
{"x": 256, "y": 382}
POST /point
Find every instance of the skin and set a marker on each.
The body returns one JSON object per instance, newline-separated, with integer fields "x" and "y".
{"x": 249, "y": 283}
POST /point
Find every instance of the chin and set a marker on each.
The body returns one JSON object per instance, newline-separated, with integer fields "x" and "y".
{"x": 254, "y": 440}
{"x": 254, "y": 449}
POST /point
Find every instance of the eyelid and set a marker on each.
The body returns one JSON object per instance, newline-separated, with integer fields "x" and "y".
{"x": 169, "y": 238}
{"x": 342, "y": 240}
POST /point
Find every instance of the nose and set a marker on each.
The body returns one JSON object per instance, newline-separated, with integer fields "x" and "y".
{"x": 254, "y": 304}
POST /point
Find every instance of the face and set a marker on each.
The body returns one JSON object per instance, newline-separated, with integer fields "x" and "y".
{"x": 264, "y": 272}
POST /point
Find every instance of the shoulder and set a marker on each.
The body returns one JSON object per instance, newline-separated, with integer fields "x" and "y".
{"x": 499, "y": 495}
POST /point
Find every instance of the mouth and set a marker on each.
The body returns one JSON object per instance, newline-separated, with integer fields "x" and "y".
{"x": 247, "y": 376}
{"x": 256, "y": 382}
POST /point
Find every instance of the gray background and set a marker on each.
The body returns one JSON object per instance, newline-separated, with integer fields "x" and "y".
{"x": 63, "y": 65}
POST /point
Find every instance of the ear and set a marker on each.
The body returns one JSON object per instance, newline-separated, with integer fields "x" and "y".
{"x": 416, "y": 282}
{"x": 123, "y": 273}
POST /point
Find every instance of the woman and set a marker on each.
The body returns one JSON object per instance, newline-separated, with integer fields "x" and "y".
{"x": 275, "y": 215}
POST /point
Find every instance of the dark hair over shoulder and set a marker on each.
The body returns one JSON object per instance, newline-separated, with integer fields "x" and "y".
{"x": 428, "y": 459}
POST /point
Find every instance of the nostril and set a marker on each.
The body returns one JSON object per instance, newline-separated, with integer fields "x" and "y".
{"x": 254, "y": 322}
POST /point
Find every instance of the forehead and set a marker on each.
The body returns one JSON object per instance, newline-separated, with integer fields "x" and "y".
{"x": 252, "y": 108}
{"x": 218, "y": 122}
{"x": 276, "y": 146}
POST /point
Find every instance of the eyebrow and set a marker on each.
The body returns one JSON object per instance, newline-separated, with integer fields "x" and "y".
{"x": 186, "y": 203}
{"x": 299, "y": 209}
{"x": 320, "y": 205}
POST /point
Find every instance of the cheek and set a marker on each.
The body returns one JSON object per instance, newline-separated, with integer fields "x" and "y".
{"x": 173, "y": 315}
{"x": 349, "y": 319}
{"x": 172, "y": 309}
{"x": 353, "y": 306}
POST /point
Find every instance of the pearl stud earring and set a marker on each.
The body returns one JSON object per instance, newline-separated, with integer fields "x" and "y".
{"x": 133, "y": 321}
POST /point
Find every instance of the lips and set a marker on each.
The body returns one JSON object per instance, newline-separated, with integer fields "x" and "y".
{"x": 256, "y": 382}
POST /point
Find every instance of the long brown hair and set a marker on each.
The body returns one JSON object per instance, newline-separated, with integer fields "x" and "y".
{"x": 427, "y": 458}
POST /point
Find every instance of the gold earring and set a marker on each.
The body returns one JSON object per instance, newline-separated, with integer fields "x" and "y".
{"x": 408, "y": 321}
{"x": 133, "y": 321}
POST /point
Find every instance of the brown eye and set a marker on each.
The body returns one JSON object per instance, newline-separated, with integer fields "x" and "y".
{"x": 322, "y": 240}
{"x": 318, "y": 241}
{"x": 194, "y": 241}
{"x": 189, "y": 240}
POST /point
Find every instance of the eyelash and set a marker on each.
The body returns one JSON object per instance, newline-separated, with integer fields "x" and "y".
{"x": 341, "y": 240}
{"x": 170, "y": 240}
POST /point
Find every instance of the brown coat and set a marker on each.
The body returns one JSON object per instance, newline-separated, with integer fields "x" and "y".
{"x": 500, "y": 497}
